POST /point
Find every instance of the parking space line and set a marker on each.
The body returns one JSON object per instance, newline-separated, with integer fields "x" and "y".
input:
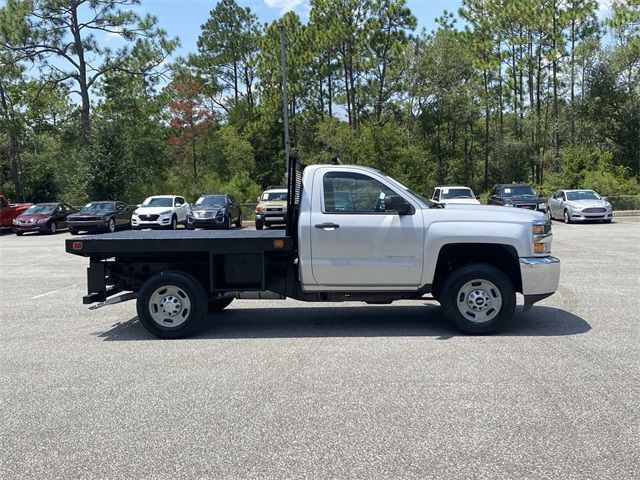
{"x": 54, "y": 291}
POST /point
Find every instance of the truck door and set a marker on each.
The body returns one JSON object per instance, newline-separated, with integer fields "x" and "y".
{"x": 357, "y": 240}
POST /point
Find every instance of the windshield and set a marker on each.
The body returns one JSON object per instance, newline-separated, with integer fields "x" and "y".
{"x": 275, "y": 196}
{"x": 583, "y": 195}
{"x": 211, "y": 201}
{"x": 99, "y": 207}
{"x": 46, "y": 209}
{"x": 450, "y": 193}
{"x": 424, "y": 202}
{"x": 517, "y": 191}
{"x": 158, "y": 202}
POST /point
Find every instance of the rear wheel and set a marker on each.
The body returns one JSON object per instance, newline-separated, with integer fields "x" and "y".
{"x": 567, "y": 218}
{"x": 259, "y": 225}
{"x": 171, "y": 305}
{"x": 478, "y": 298}
{"x": 219, "y": 304}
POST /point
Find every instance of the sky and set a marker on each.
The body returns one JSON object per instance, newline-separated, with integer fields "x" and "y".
{"x": 183, "y": 18}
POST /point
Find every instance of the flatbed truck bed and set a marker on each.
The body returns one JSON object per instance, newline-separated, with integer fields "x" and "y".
{"x": 142, "y": 242}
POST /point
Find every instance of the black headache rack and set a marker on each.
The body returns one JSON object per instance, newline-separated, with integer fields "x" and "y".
{"x": 294, "y": 193}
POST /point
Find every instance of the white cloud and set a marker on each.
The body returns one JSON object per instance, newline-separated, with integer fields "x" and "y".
{"x": 283, "y": 5}
{"x": 115, "y": 34}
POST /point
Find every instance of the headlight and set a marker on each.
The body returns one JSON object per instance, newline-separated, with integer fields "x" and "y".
{"x": 166, "y": 212}
{"x": 542, "y": 237}
{"x": 136, "y": 213}
{"x": 576, "y": 206}
{"x": 259, "y": 208}
{"x": 15, "y": 221}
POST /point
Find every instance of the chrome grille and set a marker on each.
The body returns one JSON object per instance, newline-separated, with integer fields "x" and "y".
{"x": 594, "y": 210}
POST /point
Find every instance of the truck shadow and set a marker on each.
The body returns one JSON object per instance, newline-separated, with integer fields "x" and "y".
{"x": 365, "y": 321}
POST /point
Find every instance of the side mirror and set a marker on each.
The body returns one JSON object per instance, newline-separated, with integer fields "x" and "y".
{"x": 394, "y": 203}
{"x": 605, "y": 199}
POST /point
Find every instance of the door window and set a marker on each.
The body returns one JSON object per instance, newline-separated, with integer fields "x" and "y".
{"x": 346, "y": 192}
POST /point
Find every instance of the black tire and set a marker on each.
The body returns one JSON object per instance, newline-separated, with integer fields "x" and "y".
{"x": 219, "y": 304}
{"x": 259, "y": 225}
{"x": 451, "y": 292}
{"x": 239, "y": 221}
{"x": 185, "y": 285}
{"x": 566, "y": 216}
{"x": 227, "y": 224}
{"x": 73, "y": 231}
{"x": 608, "y": 220}
{"x": 549, "y": 214}
{"x": 53, "y": 227}
{"x": 174, "y": 223}
{"x": 19, "y": 233}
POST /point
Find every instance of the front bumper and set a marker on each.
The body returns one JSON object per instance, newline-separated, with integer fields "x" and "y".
{"x": 88, "y": 226}
{"x": 206, "y": 222}
{"x": 164, "y": 221}
{"x": 272, "y": 217}
{"x": 29, "y": 227}
{"x": 540, "y": 278}
{"x": 580, "y": 216}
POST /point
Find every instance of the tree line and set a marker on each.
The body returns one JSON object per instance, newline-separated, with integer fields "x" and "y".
{"x": 540, "y": 91}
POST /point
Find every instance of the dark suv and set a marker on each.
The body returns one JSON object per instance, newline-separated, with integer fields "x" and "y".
{"x": 518, "y": 195}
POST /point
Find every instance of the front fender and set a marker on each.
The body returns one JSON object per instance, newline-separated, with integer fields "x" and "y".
{"x": 442, "y": 233}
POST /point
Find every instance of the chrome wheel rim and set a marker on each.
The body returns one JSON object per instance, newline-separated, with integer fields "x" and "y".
{"x": 169, "y": 306}
{"x": 112, "y": 226}
{"x": 566, "y": 216}
{"x": 479, "y": 301}
{"x": 53, "y": 227}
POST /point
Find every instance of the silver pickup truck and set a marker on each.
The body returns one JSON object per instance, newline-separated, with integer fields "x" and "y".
{"x": 353, "y": 234}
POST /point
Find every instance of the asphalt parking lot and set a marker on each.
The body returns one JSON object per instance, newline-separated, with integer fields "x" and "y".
{"x": 293, "y": 390}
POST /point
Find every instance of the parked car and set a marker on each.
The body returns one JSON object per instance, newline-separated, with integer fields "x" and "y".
{"x": 272, "y": 208}
{"x": 519, "y": 195}
{"x": 454, "y": 194}
{"x": 578, "y": 206}
{"x": 10, "y": 211}
{"x": 108, "y": 215}
{"x": 160, "y": 211}
{"x": 43, "y": 217}
{"x": 214, "y": 211}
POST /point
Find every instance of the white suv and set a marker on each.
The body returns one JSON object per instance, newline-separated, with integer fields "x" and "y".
{"x": 160, "y": 211}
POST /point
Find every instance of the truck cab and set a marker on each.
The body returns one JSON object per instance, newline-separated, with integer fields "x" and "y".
{"x": 353, "y": 234}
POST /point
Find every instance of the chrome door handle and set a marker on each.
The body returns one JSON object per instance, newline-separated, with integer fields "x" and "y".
{"x": 327, "y": 225}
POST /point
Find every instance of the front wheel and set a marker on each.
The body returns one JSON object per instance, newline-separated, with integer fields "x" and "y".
{"x": 608, "y": 220}
{"x": 73, "y": 231}
{"x": 478, "y": 298}
{"x": 259, "y": 225}
{"x": 171, "y": 305}
{"x": 239, "y": 222}
{"x": 111, "y": 226}
{"x": 174, "y": 223}
{"x": 567, "y": 218}
{"x": 53, "y": 227}
{"x": 549, "y": 214}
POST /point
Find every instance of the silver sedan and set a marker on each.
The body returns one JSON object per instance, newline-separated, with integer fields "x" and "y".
{"x": 579, "y": 206}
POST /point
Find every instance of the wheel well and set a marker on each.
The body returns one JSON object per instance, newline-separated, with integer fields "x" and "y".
{"x": 503, "y": 257}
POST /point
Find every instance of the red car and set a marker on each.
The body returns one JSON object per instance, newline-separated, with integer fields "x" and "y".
{"x": 43, "y": 217}
{"x": 9, "y": 211}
